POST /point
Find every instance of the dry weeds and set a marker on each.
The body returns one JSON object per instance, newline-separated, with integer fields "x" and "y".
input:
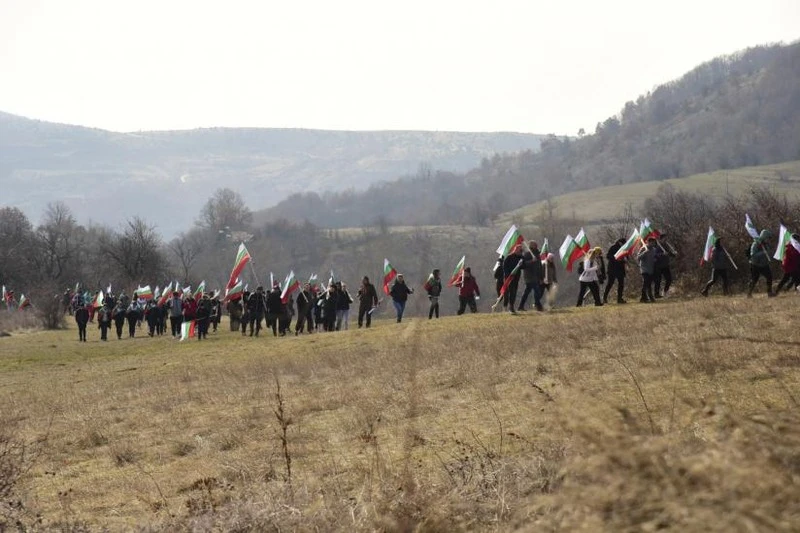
{"x": 679, "y": 416}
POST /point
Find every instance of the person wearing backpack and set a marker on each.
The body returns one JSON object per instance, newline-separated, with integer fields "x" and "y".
{"x": 590, "y": 275}
{"x": 759, "y": 263}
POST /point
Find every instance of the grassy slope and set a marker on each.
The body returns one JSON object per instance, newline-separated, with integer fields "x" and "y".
{"x": 602, "y": 204}
{"x": 489, "y": 422}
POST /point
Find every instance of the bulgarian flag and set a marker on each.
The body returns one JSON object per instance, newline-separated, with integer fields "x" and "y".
{"x": 427, "y": 285}
{"x": 784, "y": 239}
{"x": 145, "y": 292}
{"x": 242, "y": 258}
{"x": 751, "y": 228}
{"x": 711, "y": 240}
{"x": 582, "y": 241}
{"x": 313, "y": 280}
{"x": 389, "y": 273}
{"x": 545, "y": 247}
{"x": 187, "y": 329}
{"x": 646, "y": 230}
{"x": 510, "y": 277}
{"x": 23, "y": 303}
{"x": 235, "y": 292}
{"x": 165, "y": 294}
{"x": 569, "y": 252}
{"x": 187, "y": 291}
{"x": 98, "y": 300}
{"x": 290, "y": 285}
{"x": 198, "y": 292}
{"x": 510, "y": 240}
{"x": 458, "y": 272}
{"x": 627, "y": 249}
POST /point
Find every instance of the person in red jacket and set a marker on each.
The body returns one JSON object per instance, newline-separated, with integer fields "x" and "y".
{"x": 189, "y": 309}
{"x": 468, "y": 292}
{"x": 790, "y": 265}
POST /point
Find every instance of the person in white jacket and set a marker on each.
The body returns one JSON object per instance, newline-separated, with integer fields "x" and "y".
{"x": 589, "y": 276}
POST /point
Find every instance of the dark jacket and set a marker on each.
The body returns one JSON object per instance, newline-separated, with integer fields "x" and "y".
{"x": 400, "y": 292}
{"x": 82, "y": 316}
{"x": 304, "y": 302}
{"x": 509, "y": 264}
{"x": 532, "y": 267}
{"x": 275, "y": 305}
{"x": 615, "y": 267}
{"x": 343, "y": 300}
{"x": 719, "y": 259}
{"x": 367, "y": 296}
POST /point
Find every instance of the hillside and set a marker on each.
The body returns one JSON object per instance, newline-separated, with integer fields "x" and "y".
{"x": 733, "y": 111}
{"x": 466, "y": 423}
{"x": 606, "y": 204}
{"x": 107, "y": 176}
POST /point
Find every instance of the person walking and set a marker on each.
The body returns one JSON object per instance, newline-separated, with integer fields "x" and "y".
{"x": 259, "y": 305}
{"x": 204, "y": 310}
{"x": 720, "y": 260}
{"x": 663, "y": 271}
{"x": 468, "y": 292}
{"x": 790, "y": 266}
{"x": 647, "y": 265}
{"x": 367, "y": 300}
{"x": 175, "y": 307}
{"x": 104, "y": 322}
{"x": 133, "y": 314}
{"x": 532, "y": 275}
{"x": 119, "y": 318}
{"x": 759, "y": 263}
{"x": 399, "y": 293}
{"x": 82, "y": 318}
{"x": 550, "y": 278}
{"x": 343, "y": 302}
{"x": 434, "y": 289}
{"x": 616, "y": 273}
{"x": 590, "y": 276}
{"x": 305, "y": 302}
{"x": 510, "y": 269}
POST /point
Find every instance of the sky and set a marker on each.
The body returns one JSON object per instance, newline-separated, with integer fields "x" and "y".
{"x": 527, "y": 66}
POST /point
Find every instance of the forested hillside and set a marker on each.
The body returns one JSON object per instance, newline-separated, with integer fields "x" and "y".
{"x": 164, "y": 176}
{"x": 733, "y": 111}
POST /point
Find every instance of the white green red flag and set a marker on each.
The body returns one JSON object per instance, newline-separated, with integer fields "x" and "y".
{"x": 198, "y": 292}
{"x": 545, "y": 247}
{"x": 186, "y": 292}
{"x": 290, "y": 284}
{"x": 235, "y": 292}
{"x": 97, "y": 302}
{"x": 711, "y": 240}
{"x": 242, "y": 258}
{"x": 569, "y": 252}
{"x": 646, "y": 230}
{"x": 23, "y": 302}
{"x": 389, "y": 273}
{"x": 165, "y": 294}
{"x": 785, "y": 239}
{"x": 458, "y": 273}
{"x": 750, "y": 227}
{"x": 630, "y": 245}
{"x": 188, "y": 329}
{"x": 582, "y": 241}
{"x": 510, "y": 240}
{"x": 144, "y": 292}
{"x": 313, "y": 281}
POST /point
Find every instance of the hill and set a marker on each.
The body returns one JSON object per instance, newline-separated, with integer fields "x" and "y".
{"x": 558, "y": 422}
{"x": 607, "y": 204}
{"x": 107, "y": 176}
{"x": 733, "y": 111}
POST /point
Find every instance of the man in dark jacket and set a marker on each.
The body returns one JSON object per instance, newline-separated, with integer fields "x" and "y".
{"x": 532, "y": 276}
{"x": 367, "y": 299}
{"x": 82, "y": 318}
{"x": 468, "y": 292}
{"x": 509, "y": 265}
{"x": 664, "y": 253}
{"x": 399, "y": 293}
{"x": 204, "y": 309}
{"x": 305, "y": 303}
{"x": 719, "y": 268}
{"x": 234, "y": 308}
{"x": 151, "y": 316}
{"x": 104, "y": 321}
{"x": 616, "y": 272}
{"x": 257, "y": 305}
{"x": 434, "y": 289}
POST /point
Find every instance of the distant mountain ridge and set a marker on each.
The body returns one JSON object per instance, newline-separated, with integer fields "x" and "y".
{"x": 167, "y": 175}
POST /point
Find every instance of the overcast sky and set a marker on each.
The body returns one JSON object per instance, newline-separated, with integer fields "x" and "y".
{"x": 532, "y": 66}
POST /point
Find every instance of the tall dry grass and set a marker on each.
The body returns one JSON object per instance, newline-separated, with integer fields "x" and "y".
{"x": 679, "y": 416}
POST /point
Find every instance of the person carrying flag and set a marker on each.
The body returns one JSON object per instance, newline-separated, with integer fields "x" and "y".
{"x": 759, "y": 263}
{"x": 468, "y": 292}
{"x": 790, "y": 265}
{"x": 720, "y": 261}
{"x": 616, "y": 272}
{"x": 589, "y": 278}
{"x": 510, "y": 269}
{"x": 664, "y": 254}
{"x": 367, "y": 299}
{"x": 532, "y": 275}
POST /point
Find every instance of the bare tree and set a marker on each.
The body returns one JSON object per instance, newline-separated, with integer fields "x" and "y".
{"x": 135, "y": 252}
{"x": 187, "y": 248}
{"x": 225, "y": 211}
{"x": 58, "y": 240}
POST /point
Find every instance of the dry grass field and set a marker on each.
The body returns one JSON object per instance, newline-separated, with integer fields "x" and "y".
{"x": 680, "y": 416}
